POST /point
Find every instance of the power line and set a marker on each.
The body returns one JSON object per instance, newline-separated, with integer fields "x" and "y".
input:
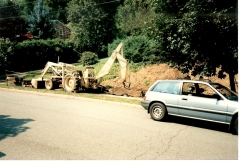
{"x": 58, "y": 11}
{"x": 15, "y": 5}
{"x": 36, "y": 1}
{"x": 10, "y": 17}
{"x": 107, "y": 2}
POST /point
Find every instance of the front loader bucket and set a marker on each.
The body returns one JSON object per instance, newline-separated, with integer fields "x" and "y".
{"x": 38, "y": 83}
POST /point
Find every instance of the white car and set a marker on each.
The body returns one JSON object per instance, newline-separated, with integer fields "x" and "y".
{"x": 193, "y": 99}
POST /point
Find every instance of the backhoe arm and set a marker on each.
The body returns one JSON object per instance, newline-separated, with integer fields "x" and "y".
{"x": 108, "y": 65}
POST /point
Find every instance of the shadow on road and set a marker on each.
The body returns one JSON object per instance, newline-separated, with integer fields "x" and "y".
{"x": 2, "y": 154}
{"x": 11, "y": 127}
{"x": 199, "y": 123}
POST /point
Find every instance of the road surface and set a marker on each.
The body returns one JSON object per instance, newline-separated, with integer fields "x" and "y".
{"x": 47, "y": 127}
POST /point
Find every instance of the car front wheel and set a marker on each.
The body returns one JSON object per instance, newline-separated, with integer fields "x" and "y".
{"x": 157, "y": 111}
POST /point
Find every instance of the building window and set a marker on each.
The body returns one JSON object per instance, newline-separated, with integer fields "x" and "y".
{"x": 61, "y": 32}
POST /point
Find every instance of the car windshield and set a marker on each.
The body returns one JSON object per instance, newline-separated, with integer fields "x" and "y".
{"x": 229, "y": 94}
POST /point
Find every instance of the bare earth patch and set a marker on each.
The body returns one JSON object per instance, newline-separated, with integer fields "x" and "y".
{"x": 143, "y": 79}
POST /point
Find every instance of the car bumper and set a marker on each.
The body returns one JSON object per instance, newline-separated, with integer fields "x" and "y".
{"x": 145, "y": 104}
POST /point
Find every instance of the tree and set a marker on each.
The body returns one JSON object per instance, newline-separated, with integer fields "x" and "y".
{"x": 39, "y": 23}
{"x": 5, "y": 53}
{"x": 11, "y": 23}
{"x": 200, "y": 36}
{"x": 94, "y": 24}
{"x": 134, "y": 17}
{"x": 57, "y": 8}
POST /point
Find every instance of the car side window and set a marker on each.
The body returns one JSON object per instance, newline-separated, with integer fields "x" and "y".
{"x": 207, "y": 92}
{"x": 189, "y": 89}
{"x": 167, "y": 87}
{"x": 199, "y": 90}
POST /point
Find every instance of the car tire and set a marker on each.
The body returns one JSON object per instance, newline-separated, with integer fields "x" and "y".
{"x": 157, "y": 111}
{"x": 235, "y": 125}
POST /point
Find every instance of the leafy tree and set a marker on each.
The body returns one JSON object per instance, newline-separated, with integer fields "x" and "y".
{"x": 137, "y": 49}
{"x": 134, "y": 17}
{"x": 199, "y": 36}
{"x": 57, "y": 8}
{"x": 40, "y": 25}
{"x": 5, "y": 52}
{"x": 25, "y": 7}
{"x": 12, "y": 23}
{"x": 94, "y": 24}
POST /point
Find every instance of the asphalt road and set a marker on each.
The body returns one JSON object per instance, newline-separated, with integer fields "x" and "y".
{"x": 47, "y": 127}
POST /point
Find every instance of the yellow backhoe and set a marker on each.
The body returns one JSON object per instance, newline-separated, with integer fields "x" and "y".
{"x": 72, "y": 79}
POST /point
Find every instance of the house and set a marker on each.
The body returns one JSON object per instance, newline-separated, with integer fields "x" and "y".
{"x": 62, "y": 31}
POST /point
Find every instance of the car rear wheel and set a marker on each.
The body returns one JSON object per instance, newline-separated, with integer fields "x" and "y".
{"x": 157, "y": 111}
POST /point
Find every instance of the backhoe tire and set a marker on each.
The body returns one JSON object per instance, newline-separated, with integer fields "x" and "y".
{"x": 49, "y": 84}
{"x": 70, "y": 83}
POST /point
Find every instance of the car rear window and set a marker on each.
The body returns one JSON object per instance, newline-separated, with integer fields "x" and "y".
{"x": 166, "y": 87}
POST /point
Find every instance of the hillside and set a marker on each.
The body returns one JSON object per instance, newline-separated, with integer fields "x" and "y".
{"x": 139, "y": 81}
{"x": 143, "y": 79}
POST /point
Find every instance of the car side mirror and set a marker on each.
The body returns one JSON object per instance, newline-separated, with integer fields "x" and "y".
{"x": 232, "y": 97}
{"x": 217, "y": 96}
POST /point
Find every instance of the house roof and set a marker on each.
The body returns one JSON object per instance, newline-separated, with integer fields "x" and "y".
{"x": 57, "y": 21}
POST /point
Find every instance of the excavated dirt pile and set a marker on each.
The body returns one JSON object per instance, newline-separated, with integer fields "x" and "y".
{"x": 143, "y": 79}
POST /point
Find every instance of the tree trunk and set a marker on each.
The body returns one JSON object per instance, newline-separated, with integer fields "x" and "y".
{"x": 232, "y": 82}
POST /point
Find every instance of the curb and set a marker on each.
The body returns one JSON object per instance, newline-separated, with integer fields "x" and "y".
{"x": 74, "y": 97}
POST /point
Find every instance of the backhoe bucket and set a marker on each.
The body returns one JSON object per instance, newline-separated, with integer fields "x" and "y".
{"x": 38, "y": 83}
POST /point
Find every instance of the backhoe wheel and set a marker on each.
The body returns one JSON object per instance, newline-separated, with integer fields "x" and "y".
{"x": 49, "y": 84}
{"x": 70, "y": 83}
{"x": 158, "y": 111}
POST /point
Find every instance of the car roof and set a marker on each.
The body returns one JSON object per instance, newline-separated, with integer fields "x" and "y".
{"x": 186, "y": 80}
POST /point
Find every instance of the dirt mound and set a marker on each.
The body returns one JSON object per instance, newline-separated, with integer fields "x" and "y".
{"x": 143, "y": 79}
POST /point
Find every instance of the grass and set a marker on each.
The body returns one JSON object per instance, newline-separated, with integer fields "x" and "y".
{"x": 98, "y": 96}
{"x": 32, "y": 74}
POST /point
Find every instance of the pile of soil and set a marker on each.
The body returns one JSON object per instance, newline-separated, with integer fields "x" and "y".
{"x": 143, "y": 79}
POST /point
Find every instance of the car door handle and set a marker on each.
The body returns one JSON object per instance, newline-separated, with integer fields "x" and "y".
{"x": 184, "y": 98}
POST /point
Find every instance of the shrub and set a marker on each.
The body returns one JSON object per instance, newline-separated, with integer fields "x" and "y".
{"x": 89, "y": 58}
{"x": 34, "y": 54}
{"x": 138, "y": 49}
{"x": 6, "y": 51}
